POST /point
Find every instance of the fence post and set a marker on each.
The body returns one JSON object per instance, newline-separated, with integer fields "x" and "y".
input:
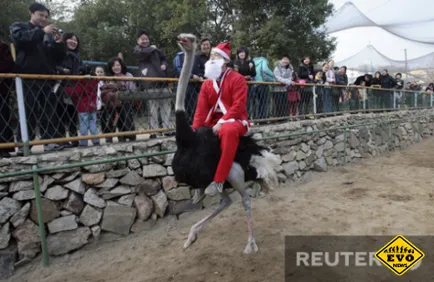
{"x": 314, "y": 100}
{"x": 345, "y": 144}
{"x": 415, "y": 99}
{"x": 365, "y": 96}
{"x": 394, "y": 99}
{"x": 22, "y": 115}
{"x": 40, "y": 218}
{"x": 430, "y": 98}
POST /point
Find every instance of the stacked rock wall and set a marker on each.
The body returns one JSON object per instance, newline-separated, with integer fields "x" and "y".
{"x": 80, "y": 203}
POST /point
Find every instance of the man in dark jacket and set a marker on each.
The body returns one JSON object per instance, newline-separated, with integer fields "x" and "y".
{"x": 152, "y": 62}
{"x": 193, "y": 89}
{"x": 204, "y": 53}
{"x": 306, "y": 72}
{"x": 246, "y": 67}
{"x": 6, "y": 84}
{"x": 39, "y": 49}
{"x": 341, "y": 79}
{"x": 399, "y": 85}
{"x": 367, "y": 78}
{"x": 387, "y": 82}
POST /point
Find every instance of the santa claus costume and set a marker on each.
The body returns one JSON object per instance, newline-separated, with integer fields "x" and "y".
{"x": 223, "y": 101}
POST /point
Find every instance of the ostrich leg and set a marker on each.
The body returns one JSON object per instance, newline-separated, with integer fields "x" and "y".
{"x": 192, "y": 236}
{"x": 236, "y": 179}
{"x": 198, "y": 195}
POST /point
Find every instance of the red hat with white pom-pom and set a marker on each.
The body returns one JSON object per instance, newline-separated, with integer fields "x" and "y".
{"x": 223, "y": 49}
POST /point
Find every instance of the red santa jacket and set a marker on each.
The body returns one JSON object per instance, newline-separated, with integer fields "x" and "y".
{"x": 84, "y": 94}
{"x": 233, "y": 101}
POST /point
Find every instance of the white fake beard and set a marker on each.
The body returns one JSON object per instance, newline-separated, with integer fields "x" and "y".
{"x": 214, "y": 68}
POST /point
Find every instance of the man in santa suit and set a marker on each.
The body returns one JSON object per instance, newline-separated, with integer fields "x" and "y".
{"x": 222, "y": 106}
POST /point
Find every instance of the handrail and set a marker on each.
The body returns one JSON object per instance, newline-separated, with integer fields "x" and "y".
{"x": 169, "y": 79}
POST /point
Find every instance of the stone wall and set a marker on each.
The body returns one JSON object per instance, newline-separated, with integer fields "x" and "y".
{"x": 122, "y": 197}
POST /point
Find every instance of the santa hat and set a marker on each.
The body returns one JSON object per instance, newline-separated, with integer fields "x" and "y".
{"x": 224, "y": 49}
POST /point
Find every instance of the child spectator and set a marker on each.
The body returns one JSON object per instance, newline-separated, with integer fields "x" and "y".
{"x": 99, "y": 71}
{"x": 84, "y": 94}
{"x": 294, "y": 96}
{"x": 319, "y": 91}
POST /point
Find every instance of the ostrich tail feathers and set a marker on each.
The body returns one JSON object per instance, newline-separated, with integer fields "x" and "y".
{"x": 267, "y": 166}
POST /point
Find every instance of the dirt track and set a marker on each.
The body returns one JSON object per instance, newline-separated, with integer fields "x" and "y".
{"x": 325, "y": 205}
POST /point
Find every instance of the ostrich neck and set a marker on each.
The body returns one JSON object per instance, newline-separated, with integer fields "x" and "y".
{"x": 183, "y": 80}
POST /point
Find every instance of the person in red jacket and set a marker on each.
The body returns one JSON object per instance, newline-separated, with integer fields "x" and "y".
{"x": 222, "y": 105}
{"x": 84, "y": 94}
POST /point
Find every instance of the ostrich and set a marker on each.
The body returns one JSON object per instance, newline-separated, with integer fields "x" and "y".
{"x": 198, "y": 153}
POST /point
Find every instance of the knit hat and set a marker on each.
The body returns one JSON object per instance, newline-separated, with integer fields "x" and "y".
{"x": 224, "y": 49}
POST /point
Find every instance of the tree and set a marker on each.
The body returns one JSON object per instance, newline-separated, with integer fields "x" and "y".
{"x": 280, "y": 27}
{"x": 16, "y": 11}
{"x": 284, "y": 27}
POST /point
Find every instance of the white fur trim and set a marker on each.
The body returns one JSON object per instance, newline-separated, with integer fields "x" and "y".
{"x": 223, "y": 54}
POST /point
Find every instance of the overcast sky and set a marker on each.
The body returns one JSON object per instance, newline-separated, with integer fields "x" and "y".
{"x": 384, "y": 11}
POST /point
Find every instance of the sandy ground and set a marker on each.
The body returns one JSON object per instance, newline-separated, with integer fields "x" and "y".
{"x": 381, "y": 188}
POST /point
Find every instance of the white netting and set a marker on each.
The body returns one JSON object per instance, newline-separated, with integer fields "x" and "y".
{"x": 370, "y": 59}
{"x": 417, "y": 29}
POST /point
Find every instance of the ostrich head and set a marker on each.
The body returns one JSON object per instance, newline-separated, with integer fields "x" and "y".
{"x": 187, "y": 42}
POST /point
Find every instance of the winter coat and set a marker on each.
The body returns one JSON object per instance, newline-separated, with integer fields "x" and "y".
{"x": 74, "y": 64}
{"x": 243, "y": 65}
{"x": 362, "y": 78}
{"x": 263, "y": 72}
{"x": 341, "y": 79}
{"x": 387, "y": 82}
{"x": 6, "y": 66}
{"x": 111, "y": 89}
{"x": 294, "y": 91}
{"x": 36, "y": 52}
{"x": 304, "y": 71}
{"x": 399, "y": 86}
{"x": 283, "y": 75}
{"x": 84, "y": 94}
{"x": 178, "y": 62}
{"x": 149, "y": 61}
{"x": 330, "y": 77}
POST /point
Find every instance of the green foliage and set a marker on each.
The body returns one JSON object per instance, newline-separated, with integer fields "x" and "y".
{"x": 106, "y": 27}
{"x": 16, "y": 11}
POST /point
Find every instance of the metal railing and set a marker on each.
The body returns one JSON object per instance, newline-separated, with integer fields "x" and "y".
{"x": 70, "y": 110}
{"x": 35, "y": 171}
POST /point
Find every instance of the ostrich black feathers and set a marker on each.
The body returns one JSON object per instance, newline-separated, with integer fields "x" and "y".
{"x": 198, "y": 154}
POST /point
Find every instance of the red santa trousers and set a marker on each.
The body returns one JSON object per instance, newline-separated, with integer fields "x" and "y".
{"x": 229, "y": 135}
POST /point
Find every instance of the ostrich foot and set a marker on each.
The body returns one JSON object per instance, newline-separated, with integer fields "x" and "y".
{"x": 196, "y": 228}
{"x": 192, "y": 237}
{"x": 251, "y": 247}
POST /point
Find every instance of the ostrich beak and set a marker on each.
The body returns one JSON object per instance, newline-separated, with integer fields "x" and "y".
{"x": 184, "y": 41}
